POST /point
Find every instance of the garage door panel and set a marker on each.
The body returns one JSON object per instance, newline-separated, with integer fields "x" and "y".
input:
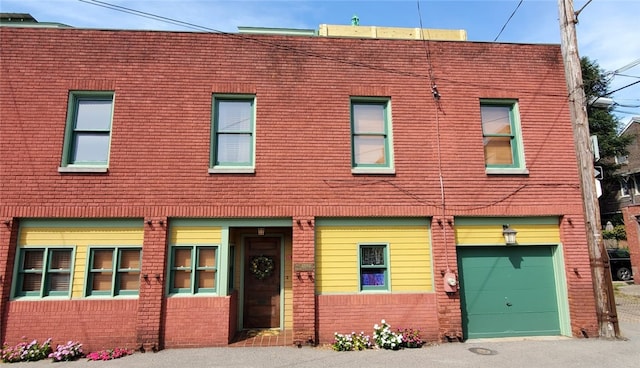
{"x": 508, "y": 291}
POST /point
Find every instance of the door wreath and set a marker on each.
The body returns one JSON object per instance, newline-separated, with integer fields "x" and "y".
{"x": 261, "y": 267}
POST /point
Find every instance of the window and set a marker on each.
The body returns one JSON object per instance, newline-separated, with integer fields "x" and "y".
{"x": 373, "y": 267}
{"x": 503, "y": 150}
{"x": 114, "y": 271}
{"x": 625, "y": 186}
{"x": 371, "y": 146}
{"x": 193, "y": 269}
{"x": 88, "y": 133}
{"x": 44, "y": 272}
{"x": 233, "y": 138}
{"x": 622, "y": 160}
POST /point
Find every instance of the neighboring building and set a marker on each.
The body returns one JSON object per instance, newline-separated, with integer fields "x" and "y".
{"x": 170, "y": 189}
{"x": 628, "y": 191}
{"x": 627, "y": 198}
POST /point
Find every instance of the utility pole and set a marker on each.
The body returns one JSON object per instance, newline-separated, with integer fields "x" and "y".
{"x": 602, "y": 283}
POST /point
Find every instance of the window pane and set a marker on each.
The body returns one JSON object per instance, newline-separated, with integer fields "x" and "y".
{"x": 130, "y": 259}
{"x": 497, "y": 151}
{"x": 234, "y": 116}
{"x": 372, "y": 256}
{"x": 101, "y": 281}
{"x": 93, "y": 115}
{"x": 90, "y": 147}
{"x": 60, "y": 260}
{"x": 495, "y": 120}
{"x": 33, "y": 259}
{"x": 129, "y": 281}
{"x": 31, "y": 282}
{"x": 181, "y": 279}
{"x": 207, "y": 258}
{"x": 372, "y": 277}
{"x": 59, "y": 281}
{"x": 368, "y": 118}
{"x": 234, "y": 148}
{"x": 206, "y": 279}
{"x": 182, "y": 257}
{"x": 369, "y": 150}
{"x": 102, "y": 259}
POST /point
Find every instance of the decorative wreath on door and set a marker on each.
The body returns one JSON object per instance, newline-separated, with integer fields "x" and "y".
{"x": 261, "y": 267}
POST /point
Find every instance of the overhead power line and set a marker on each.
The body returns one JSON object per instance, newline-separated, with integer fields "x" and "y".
{"x": 507, "y": 22}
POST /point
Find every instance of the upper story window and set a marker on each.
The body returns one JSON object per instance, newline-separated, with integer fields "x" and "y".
{"x": 233, "y": 134}
{"x": 88, "y": 132}
{"x": 622, "y": 160}
{"x": 503, "y": 149}
{"x": 114, "y": 271}
{"x": 371, "y": 143}
{"x": 44, "y": 272}
{"x": 374, "y": 273}
{"x": 626, "y": 183}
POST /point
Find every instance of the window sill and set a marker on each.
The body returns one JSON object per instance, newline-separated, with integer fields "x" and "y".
{"x": 232, "y": 170}
{"x": 373, "y": 170}
{"x": 506, "y": 171}
{"x": 190, "y": 295}
{"x": 36, "y": 298}
{"x": 374, "y": 291}
{"x": 83, "y": 169}
{"x": 136, "y": 296}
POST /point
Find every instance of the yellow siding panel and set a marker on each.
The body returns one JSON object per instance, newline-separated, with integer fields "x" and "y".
{"x": 337, "y": 257}
{"x": 288, "y": 285}
{"x": 195, "y": 235}
{"x": 492, "y": 234}
{"x": 80, "y": 238}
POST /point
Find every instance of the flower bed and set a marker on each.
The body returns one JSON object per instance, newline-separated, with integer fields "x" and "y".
{"x": 383, "y": 338}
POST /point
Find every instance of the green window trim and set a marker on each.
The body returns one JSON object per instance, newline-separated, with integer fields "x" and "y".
{"x": 371, "y": 138}
{"x": 88, "y": 131}
{"x": 44, "y": 272}
{"x": 233, "y": 134}
{"x": 373, "y": 267}
{"x": 502, "y": 136}
{"x": 197, "y": 265}
{"x": 121, "y": 273}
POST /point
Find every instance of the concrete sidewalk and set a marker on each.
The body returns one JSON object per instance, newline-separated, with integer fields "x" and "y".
{"x": 495, "y": 353}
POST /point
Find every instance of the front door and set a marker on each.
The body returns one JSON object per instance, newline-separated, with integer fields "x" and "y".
{"x": 262, "y": 283}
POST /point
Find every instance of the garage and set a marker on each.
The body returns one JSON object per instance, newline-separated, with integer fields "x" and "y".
{"x": 508, "y": 291}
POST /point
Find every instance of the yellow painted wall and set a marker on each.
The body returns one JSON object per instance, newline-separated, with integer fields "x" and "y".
{"x": 80, "y": 238}
{"x": 492, "y": 234}
{"x": 288, "y": 284}
{"x": 331, "y": 30}
{"x": 195, "y": 235}
{"x": 409, "y": 254}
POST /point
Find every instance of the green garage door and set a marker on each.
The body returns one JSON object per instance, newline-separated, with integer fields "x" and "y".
{"x": 508, "y": 291}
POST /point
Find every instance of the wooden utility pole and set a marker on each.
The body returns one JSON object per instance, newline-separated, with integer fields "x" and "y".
{"x": 602, "y": 283}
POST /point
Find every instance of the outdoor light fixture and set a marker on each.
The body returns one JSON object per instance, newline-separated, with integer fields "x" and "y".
{"x": 509, "y": 234}
{"x": 261, "y": 231}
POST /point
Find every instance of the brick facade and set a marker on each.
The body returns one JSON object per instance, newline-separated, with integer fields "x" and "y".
{"x": 160, "y": 151}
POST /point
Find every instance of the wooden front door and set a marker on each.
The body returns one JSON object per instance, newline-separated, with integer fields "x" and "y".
{"x": 262, "y": 283}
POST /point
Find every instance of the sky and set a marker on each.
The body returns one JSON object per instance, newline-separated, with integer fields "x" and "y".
{"x": 607, "y": 30}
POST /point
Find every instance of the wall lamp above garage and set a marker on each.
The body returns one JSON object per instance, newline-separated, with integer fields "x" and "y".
{"x": 509, "y": 235}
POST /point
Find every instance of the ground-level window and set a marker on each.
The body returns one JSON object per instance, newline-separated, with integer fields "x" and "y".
{"x": 193, "y": 269}
{"x": 114, "y": 271}
{"x": 373, "y": 267}
{"x": 44, "y": 272}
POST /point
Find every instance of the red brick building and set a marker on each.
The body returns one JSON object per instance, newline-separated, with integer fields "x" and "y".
{"x": 171, "y": 189}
